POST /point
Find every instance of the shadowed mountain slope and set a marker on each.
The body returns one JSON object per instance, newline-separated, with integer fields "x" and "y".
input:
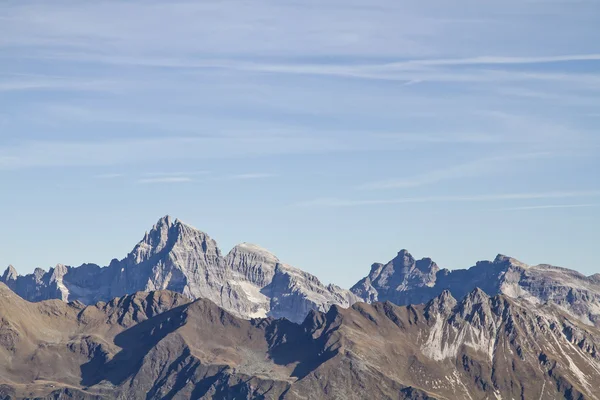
{"x": 160, "y": 345}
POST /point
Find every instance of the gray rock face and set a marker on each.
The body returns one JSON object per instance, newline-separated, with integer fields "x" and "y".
{"x": 249, "y": 282}
{"x": 10, "y": 274}
{"x": 402, "y": 274}
{"x": 278, "y": 289}
{"x": 405, "y": 280}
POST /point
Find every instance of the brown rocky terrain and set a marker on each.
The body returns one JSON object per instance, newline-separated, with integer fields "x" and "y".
{"x": 160, "y": 345}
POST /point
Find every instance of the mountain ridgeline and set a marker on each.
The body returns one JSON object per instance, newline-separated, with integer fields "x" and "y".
{"x": 248, "y": 282}
{"x": 161, "y": 345}
{"x": 251, "y": 282}
{"x": 176, "y": 319}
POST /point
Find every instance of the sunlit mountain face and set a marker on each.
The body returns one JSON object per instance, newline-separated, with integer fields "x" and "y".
{"x": 310, "y": 141}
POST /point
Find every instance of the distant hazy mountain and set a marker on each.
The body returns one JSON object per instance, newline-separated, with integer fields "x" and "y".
{"x": 160, "y": 345}
{"x": 248, "y": 282}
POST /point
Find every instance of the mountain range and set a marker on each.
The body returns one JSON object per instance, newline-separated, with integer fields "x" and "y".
{"x": 250, "y": 282}
{"x": 175, "y": 319}
{"x": 161, "y": 345}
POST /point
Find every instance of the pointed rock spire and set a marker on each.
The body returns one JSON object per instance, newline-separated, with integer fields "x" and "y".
{"x": 477, "y": 296}
{"x": 59, "y": 271}
{"x": 39, "y": 273}
{"x": 154, "y": 241}
{"x": 443, "y": 304}
{"x": 10, "y": 274}
{"x": 476, "y": 308}
{"x": 404, "y": 257}
{"x": 167, "y": 221}
{"x": 384, "y": 282}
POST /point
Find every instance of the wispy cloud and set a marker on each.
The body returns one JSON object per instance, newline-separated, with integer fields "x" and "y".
{"x": 72, "y": 113}
{"x": 335, "y": 202}
{"x": 19, "y": 82}
{"x": 109, "y": 176}
{"x": 442, "y": 137}
{"x": 176, "y": 173}
{"x": 425, "y": 45}
{"x": 494, "y": 60}
{"x": 416, "y": 73}
{"x": 171, "y": 179}
{"x": 544, "y": 207}
{"x": 250, "y": 176}
{"x": 32, "y": 154}
{"x": 409, "y": 72}
{"x": 469, "y": 169}
{"x": 409, "y": 64}
{"x": 484, "y": 69}
{"x": 308, "y": 87}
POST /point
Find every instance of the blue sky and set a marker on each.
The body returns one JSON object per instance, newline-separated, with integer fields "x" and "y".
{"x": 333, "y": 133}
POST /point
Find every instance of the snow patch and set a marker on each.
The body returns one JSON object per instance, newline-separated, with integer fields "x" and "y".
{"x": 251, "y": 291}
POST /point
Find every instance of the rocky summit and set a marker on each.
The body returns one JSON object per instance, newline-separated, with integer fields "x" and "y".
{"x": 405, "y": 280}
{"x": 249, "y": 282}
{"x": 177, "y": 319}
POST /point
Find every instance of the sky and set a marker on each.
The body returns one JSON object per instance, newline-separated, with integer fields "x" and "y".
{"x": 333, "y": 133}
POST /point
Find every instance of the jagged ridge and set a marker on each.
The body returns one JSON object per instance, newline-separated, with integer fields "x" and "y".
{"x": 161, "y": 345}
{"x": 405, "y": 280}
{"x": 249, "y": 281}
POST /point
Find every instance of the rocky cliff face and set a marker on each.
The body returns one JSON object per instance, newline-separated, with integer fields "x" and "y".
{"x": 405, "y": 280}
{"x": 162, "y": 345}
{"x": 401, "y": 275}
{"x": 251, "y": 282}
{"x": 248, "y": 282}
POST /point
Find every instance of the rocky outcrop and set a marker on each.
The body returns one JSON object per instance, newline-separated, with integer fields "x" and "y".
{"x": 278, "y": 289}
{"x": 160, "y": 345}
{"x": 249, "y": 282}
{"x": 405, "y": 280}
{"x": 392, "y": 280}
{"x": 10, "y": 275}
